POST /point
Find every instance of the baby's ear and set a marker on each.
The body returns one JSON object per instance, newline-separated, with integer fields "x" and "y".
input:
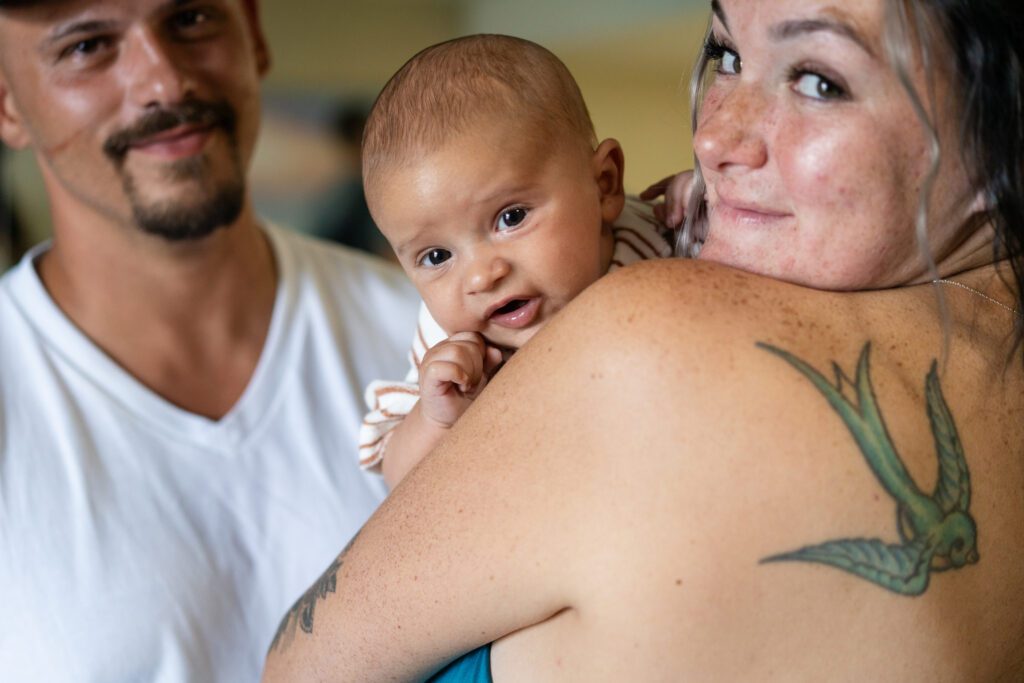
{"x": 609, "y": 165}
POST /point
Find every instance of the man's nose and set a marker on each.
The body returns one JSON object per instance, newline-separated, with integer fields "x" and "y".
{"x": 485, "y": 271}
{"x": 156, "y": 75}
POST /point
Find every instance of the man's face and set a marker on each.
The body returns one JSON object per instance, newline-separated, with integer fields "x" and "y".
{"x": 141, "y": 111}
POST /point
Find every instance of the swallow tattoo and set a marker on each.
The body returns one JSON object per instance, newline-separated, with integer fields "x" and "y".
{"x": 936, "y": 532}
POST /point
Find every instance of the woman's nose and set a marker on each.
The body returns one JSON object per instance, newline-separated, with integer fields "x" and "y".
{"x": 730, "y": 134}
{"x": 485, "y": 271}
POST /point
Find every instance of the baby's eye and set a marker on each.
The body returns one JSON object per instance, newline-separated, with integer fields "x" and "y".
{"x": 434, "y": 257}
{"x": 817, "y": 87}
{"x": 512, "y": 218}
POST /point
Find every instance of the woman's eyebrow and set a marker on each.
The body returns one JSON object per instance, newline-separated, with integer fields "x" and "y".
{"x": 716, "y": 7}
{"x": 788, "y": 30}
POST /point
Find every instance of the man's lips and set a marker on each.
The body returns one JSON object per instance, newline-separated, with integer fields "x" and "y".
{"x": 178, "y": 142}
{"x": 514, "y": 312}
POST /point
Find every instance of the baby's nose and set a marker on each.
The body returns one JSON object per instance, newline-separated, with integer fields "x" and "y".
{"x": 485, "y": 272}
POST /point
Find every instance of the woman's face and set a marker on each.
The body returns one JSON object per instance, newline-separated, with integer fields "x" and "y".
{"x": 813, "y": 155}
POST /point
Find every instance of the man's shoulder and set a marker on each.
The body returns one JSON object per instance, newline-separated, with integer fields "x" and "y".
{"x": 337, "y": 266}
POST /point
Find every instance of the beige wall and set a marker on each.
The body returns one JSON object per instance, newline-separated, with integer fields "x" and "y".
{"x": 631, "y": 60}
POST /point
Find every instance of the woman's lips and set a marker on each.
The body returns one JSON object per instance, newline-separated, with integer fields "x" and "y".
{"x": 744, "y": 212}
{"x": 177, "y": 143}
{"x": 520, "y": 316}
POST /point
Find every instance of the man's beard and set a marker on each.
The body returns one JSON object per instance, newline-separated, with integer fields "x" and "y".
{"x": 172, "y": 220}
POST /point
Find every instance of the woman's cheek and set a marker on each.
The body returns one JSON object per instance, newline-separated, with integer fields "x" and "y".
{"x": 824, "y": 169}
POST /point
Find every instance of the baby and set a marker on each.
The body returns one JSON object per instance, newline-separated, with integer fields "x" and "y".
{"x": 482, "y": 169}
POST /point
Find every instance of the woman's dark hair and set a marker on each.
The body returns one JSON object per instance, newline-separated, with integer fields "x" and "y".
{"x": 986, "y": 38}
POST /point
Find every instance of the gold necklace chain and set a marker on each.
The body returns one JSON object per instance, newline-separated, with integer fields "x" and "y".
{"x": 981, "y": 294}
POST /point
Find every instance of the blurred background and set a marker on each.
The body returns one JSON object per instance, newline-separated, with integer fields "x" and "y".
{"x": 331, "y": 57}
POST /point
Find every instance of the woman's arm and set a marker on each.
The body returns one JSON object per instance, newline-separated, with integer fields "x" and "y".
{"x": 494, "y": 531}
{"x": 630, "y": 469}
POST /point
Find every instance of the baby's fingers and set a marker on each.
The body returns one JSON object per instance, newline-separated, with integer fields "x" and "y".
{"x": 677, "y": 197}
{"x": 656, "y": 189}
{"x": 443, "y": 378}
{"x": 463, "y": 350}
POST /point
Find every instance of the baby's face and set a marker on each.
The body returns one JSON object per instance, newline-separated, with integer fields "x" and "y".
{"x": 497, "y": 233}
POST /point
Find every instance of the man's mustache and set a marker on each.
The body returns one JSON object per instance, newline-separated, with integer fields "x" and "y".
{"x": 191, "y": 113}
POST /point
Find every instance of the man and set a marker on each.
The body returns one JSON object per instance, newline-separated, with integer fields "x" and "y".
{"x": 179, "y": 386}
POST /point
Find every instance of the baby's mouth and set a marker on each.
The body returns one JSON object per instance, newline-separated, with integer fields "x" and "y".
{"x": 517, "y": 313}
{"x": 511, "y": 307}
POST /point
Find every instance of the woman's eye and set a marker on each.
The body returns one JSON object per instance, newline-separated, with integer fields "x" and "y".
{"x": 434, "y": 257}
{"x": 725, "y": 61}
{"x": 511, "y": 218}
{"x": 730, "y": 63}
{"x": 817, "y": 87}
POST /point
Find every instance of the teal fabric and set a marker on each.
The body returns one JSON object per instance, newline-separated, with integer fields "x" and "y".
{"x": 474, "y": 667}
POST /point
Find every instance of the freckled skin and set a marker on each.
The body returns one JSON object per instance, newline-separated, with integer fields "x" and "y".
{"x": 846, "y": 174}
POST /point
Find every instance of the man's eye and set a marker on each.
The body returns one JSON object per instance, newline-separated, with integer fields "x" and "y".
{"x": 84, "y": 48}
{"x": 512, "y": 218}
{"x": 189, "y": 18}
{"x": 195, "y": 23}
{"x": 434, "y": 257}
{"x": 817, "y": 87}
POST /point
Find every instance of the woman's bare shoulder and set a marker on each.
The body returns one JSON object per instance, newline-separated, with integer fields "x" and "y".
{"x": 788, "y": 434}
{"x": 695, "y": 318}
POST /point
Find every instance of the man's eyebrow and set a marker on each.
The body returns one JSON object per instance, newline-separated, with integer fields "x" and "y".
{"x": 75, "y": 28}
{"x": 788, "y": 30}
{"x": 716, "y": 7}
{"x": 95, "y": 25}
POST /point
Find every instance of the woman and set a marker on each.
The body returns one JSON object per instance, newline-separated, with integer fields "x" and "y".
{"x": 765, "y": 474}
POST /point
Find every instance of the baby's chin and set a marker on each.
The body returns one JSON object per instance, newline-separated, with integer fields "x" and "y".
{"x": 512, "y": 340}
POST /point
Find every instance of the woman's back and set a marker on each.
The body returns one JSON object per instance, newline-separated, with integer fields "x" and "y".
{"x": 695, "y": 473}
{"x": 755, "y": 463}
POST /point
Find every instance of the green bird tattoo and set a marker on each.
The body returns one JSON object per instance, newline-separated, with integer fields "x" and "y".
{"x": 936, "y": 532}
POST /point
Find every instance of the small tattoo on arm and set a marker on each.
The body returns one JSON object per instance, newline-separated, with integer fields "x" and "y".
{"x": 936, "y": 531}
{"x": 301, "y": 613}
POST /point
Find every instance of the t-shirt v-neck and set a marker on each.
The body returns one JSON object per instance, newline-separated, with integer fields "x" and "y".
{"x": 240, "y": 424}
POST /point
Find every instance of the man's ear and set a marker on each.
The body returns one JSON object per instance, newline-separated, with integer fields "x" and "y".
{"x": 609, "y": 166}
{"x": 12, "y": 131}
{"x": 252, "y": 15}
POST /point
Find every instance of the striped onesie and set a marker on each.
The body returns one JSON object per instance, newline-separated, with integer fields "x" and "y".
{"x": 638, "y": 237}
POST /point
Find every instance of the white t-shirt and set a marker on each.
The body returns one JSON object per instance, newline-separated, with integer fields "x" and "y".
{"x": 140, "y": 542}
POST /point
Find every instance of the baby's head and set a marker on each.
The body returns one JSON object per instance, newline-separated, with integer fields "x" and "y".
{"x": 482, "y": 169}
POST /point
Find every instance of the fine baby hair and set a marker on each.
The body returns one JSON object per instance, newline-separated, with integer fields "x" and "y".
{"x": 447, "y": 87}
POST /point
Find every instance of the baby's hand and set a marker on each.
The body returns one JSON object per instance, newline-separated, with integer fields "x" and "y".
{"x": 453, "y": 373}
{"x": 676, "y": 189}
